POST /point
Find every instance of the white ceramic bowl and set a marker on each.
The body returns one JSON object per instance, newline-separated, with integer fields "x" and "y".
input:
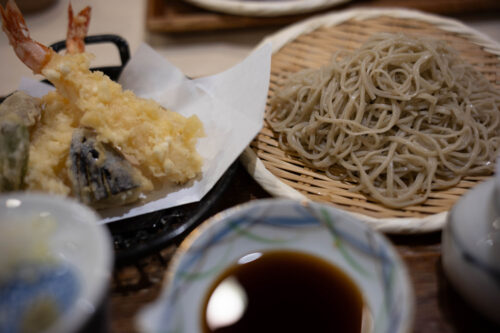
{"x": 471, "y": 248}
{"x": 280, "y": 224}
{"x": 55, "y": 265}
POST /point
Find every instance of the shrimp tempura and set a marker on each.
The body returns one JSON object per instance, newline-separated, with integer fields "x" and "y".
{"x": 159, "y": 142}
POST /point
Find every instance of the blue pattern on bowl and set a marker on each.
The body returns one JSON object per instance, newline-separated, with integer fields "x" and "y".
{"x": 362, "y": 253}
{"x": 46, "y": 288}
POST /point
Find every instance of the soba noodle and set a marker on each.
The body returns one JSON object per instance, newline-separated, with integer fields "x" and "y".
{"x": 399, "y": 117}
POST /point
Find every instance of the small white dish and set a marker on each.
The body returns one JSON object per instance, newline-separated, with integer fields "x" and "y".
{"x": 363, "y": 254}
{"x": 471, "y": 248}
{"x": 268, "y": 8}
{"x": 55, "y": 266}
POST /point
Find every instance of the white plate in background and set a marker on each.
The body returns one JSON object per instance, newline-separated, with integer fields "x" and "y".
{"x": 266, "y": 7}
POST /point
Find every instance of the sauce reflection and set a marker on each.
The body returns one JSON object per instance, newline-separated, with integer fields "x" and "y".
{"x": 282, "y": 291}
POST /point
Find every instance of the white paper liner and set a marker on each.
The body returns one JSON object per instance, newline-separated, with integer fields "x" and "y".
{"x": 230, "y": 105}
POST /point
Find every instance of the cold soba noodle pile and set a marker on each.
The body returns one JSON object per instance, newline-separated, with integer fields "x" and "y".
{"x": 400, "y": 116}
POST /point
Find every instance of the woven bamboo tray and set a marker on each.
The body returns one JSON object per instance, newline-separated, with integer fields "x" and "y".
{"x": 309, "y": 44}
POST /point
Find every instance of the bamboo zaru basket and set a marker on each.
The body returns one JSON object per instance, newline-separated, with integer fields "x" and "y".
{"x": 310, "y": 44}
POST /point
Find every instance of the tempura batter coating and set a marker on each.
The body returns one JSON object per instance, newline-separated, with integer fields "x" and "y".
{"x": 158, "y": 141}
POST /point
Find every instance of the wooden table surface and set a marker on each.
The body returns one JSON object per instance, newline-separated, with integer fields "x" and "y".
{"x": 438, "y": 307}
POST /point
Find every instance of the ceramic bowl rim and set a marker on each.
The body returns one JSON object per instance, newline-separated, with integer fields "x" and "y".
{"x": 211, "y": 222}
{"x": 76, "y": 317}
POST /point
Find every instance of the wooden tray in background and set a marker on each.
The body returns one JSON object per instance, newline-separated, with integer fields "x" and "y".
{"x": 177, "y": 16}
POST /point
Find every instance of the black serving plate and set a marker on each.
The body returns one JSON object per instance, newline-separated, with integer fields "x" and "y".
{"x": 136, "y": 237}
{"x": 139, "y": 236}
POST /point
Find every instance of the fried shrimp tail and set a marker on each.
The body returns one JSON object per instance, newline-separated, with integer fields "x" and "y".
{"x": 94, "y": 140}
{"x": 78, "y": 27}
{"x": 31, "y": 53}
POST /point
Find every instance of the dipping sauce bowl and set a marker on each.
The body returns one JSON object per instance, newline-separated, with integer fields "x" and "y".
{"x": 296, "y": 251}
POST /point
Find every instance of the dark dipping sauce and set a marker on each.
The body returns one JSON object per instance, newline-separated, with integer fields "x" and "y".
{"x": 282, "y": 291}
